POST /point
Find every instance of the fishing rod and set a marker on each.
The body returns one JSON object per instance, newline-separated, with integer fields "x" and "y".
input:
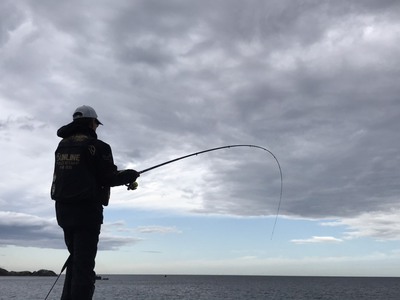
{"x": 133, "y": 185}
{"x": 62, "y": 270}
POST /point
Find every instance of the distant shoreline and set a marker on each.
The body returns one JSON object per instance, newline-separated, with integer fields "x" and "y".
{"x": 42, "y": 273}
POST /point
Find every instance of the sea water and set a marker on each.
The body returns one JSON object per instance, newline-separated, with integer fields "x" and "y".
{"x": 160, "y": 287}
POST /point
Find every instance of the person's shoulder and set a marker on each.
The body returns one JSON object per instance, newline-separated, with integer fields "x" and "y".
{"x": 66, "y": 130}
{"x": 101, "y": 144}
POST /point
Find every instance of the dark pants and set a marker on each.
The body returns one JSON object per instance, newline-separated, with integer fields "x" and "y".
{"x": 80, "y": 276}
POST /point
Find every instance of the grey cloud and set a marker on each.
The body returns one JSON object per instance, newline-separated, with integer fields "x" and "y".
{"x": 11, "y": 17}
{"x": 29, "y": 231}
{"x": 157, "y": 229}
{"x": 304, "y": 80}
{"x": 25, "y": 230}
{"x": 381, "y": 225}
{"x": 116, "y": 242}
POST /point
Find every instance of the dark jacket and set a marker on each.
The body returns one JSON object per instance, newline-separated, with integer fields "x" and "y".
{"x": 84, "y": 171}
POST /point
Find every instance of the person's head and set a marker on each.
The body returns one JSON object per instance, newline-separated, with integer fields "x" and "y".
{"x": 86, "y": 115}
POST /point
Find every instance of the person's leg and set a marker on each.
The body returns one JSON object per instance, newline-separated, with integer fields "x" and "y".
{"x": 84, "y": 253}
{"x": 68, "y": 238}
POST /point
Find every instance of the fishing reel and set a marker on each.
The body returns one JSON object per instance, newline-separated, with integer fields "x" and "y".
{"x": 132, "y": 186}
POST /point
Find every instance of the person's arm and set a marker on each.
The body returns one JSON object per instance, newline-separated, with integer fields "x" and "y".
{"x": 107, "y": 172}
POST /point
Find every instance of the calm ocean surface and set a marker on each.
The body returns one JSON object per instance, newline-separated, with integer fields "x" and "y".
{"x": 158, "y": 287}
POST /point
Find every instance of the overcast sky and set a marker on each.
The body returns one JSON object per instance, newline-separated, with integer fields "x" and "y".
{"x": 315, "y": 82}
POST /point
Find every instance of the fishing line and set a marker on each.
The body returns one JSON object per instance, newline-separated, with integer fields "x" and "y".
{"x": 62, "y": 270}
{"x": 219, "y": 148}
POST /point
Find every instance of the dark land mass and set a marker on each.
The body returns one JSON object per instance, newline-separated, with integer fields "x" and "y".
{"x": 42, "y": 272}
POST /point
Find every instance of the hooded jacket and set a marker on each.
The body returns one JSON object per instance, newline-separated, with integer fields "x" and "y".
{"x": 84, "y": 171}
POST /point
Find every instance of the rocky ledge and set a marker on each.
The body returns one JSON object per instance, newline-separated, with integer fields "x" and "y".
{"x": 42, "y": 272}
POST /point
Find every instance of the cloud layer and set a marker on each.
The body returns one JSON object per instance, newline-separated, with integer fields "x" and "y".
{"x": 315, "y": 82}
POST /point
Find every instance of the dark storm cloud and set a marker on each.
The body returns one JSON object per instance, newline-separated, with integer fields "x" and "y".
{"x": 28, "y": 230}
{"x": 31, "y": 231}
{"x": 316, "y": 82}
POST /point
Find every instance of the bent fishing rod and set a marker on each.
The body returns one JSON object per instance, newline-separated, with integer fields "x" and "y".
{"x": 133, "y": 185}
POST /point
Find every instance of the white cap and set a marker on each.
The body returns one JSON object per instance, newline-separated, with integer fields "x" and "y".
{"x": 85, "y": 111}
